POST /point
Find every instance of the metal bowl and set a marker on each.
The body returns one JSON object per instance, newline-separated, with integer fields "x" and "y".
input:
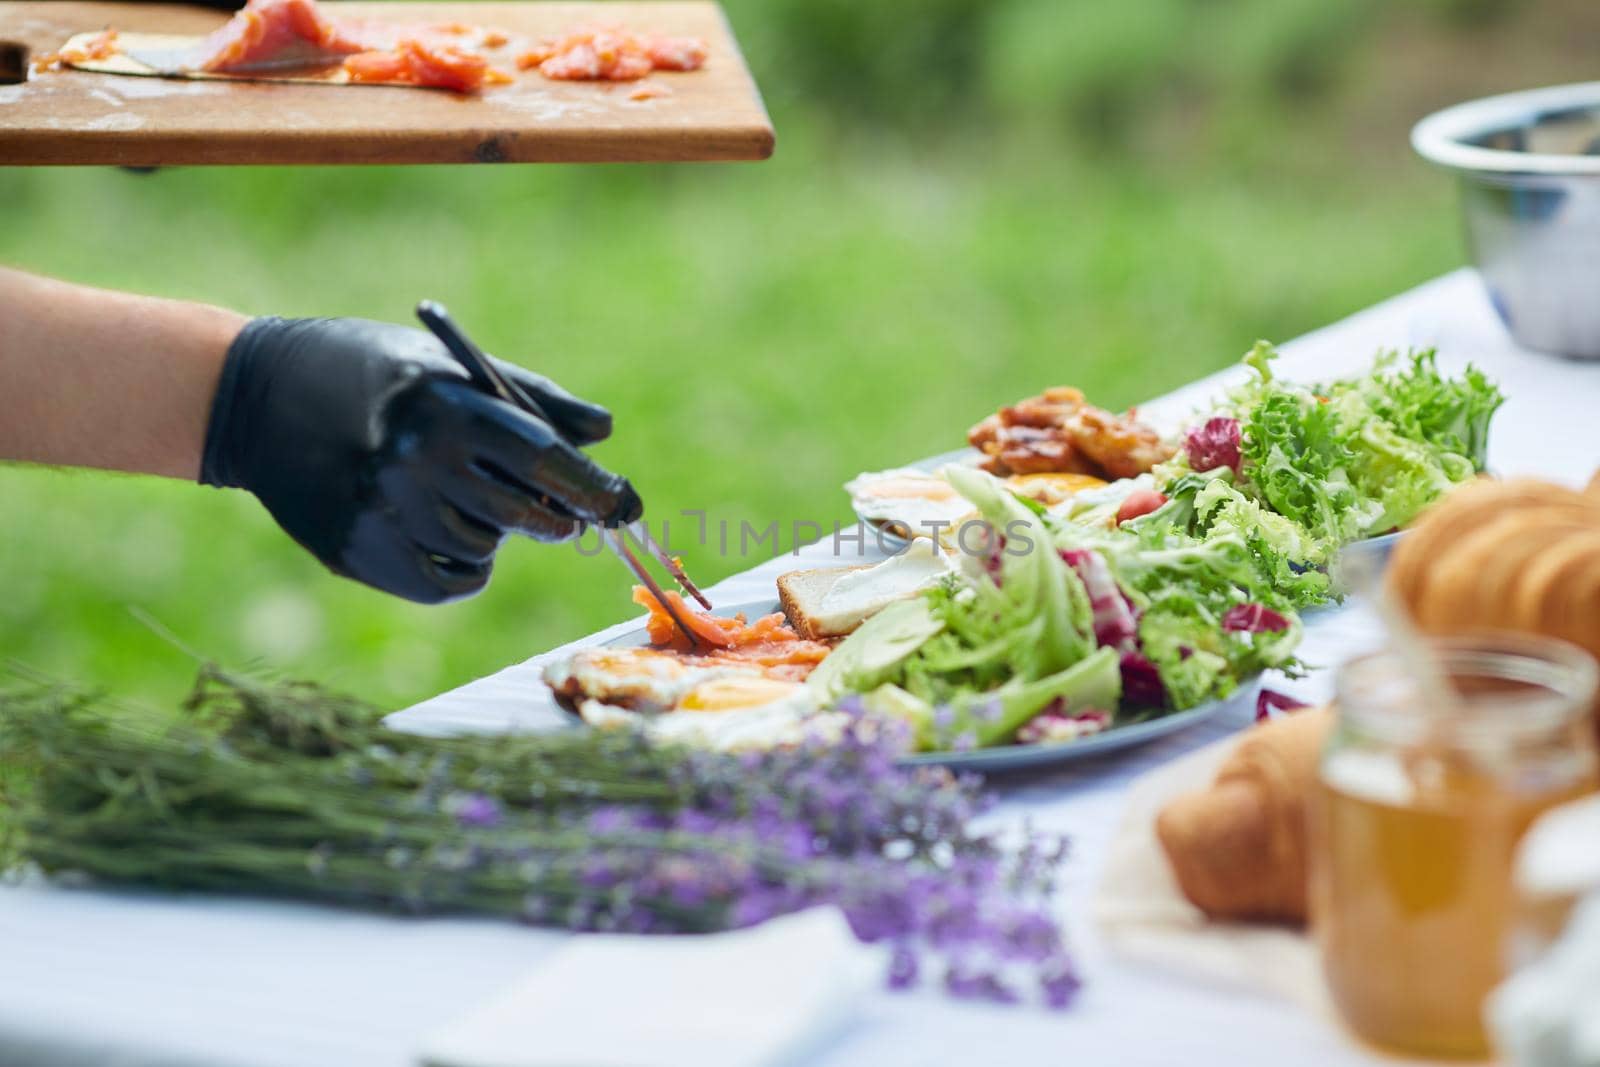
{"x": 1530, "y": 183}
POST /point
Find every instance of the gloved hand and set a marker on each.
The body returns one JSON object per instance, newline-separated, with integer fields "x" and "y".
{"x": 371, "y": 447}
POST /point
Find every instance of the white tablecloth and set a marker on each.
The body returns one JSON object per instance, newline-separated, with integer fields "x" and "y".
{"x": 162, "y": 981}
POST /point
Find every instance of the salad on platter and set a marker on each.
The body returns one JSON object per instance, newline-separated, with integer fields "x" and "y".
{"x": 1040, "y": 607}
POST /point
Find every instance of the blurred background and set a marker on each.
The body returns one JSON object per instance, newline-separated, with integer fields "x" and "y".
{"x": 970, "y": 200}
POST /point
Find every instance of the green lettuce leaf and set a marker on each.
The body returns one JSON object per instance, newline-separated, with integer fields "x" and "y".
{"x": 982, "y": 653}
{"x": 1451, "y": 415}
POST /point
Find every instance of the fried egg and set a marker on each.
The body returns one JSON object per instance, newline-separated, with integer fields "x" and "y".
{"x": 645, "y": 678}
{"x": 1053, "y": 487}
{"x": 911, "y": 500}
{"x": 1097, "y": 506}
{"x": 737, "y": 694}
{"x": 725, "y": 714}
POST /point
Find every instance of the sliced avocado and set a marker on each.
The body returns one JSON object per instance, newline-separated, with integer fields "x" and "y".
{"x": 1094, "y": 682}
{"x": 895, "y": 703}
{"x": 868, "y": 657}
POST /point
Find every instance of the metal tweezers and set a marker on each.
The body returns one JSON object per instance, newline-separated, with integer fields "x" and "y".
{"x": 487, "y": 378}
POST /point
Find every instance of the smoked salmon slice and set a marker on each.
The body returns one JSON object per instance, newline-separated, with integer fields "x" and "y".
{"x": 415, "y": 63}
{"x": 278, "y": 32}
{"x": 718, "y": 631}
{"x": 287, "y": 33}
{"x": 612, "y": 54}
{"x": 768, "y": 642}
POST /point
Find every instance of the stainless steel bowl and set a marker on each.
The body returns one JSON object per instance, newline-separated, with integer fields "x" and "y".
{"x": 1530, "y": 187}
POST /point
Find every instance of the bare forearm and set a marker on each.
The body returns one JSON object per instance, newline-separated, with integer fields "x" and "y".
{"x": 93, "y": 378}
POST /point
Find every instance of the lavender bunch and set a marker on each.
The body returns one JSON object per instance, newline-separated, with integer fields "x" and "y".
{"x": 286, "y": 789}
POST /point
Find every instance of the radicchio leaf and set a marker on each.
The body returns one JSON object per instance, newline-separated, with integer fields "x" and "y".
{"x": 1253, "y": 618}
{"x": 1213, "y": 444}
{"x": 1141, "y": 682}
{"x": 1270, "y": 700}
{"x": 1114, "y": 623}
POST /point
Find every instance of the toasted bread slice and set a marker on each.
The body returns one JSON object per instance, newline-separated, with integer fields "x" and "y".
{"x": 801, "y": 593}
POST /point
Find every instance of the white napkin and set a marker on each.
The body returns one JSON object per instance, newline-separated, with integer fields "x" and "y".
{"x": 1143, "y": 915}
{"x": 748, "y": 998}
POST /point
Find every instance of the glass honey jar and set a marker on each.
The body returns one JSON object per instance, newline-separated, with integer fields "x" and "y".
{"x": 1415, "y": 824}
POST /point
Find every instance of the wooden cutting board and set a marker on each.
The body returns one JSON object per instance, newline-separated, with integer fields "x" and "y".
{"x": 78, "y": 117}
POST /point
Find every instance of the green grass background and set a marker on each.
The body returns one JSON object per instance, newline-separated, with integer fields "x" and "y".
{"x": 968, "y": 202}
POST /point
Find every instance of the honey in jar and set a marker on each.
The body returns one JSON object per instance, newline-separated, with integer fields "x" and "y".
{"x": 1416, "y": 823}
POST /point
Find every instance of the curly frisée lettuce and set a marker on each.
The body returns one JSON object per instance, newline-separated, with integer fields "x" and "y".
{"x": 1200, "y": 658}
{"x": 1450, "y": 416}
{"x": 1352, "y": 459}
{"x": 1272, "y": 558}
{"x": 1185, "y": 594}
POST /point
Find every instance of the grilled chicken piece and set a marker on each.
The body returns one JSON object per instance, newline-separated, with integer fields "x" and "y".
{"x": 1059, "y": 431}
{"x": 1121, "y": 444}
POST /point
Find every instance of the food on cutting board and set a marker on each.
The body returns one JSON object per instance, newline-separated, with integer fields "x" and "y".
{"x": 285, "y": 34}
{"x": 300, "y": 40}
{"x": 1059, "y": 431}
{"x": 102, "y": 45}
{"x": 1516, "y": 555}
{"x": 1238, "y": 848}
{"x": 288, "y": 33}
{"x": 297, "y": 40}
{"x": 415, "y": 62}
{"x": 611, "y": 53}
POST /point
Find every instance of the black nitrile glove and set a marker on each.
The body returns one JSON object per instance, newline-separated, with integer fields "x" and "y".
{"x": 371, "y": 447}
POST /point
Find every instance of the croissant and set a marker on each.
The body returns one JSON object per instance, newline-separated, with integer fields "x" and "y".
{"x": 1520, "y": 555}
{"x": 1238, "y": 849}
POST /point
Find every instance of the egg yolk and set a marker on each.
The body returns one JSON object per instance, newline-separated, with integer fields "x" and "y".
{"x": 1053, "y": 484}
{"x": 729, "y": 694}
{"x": 910, "y": 489}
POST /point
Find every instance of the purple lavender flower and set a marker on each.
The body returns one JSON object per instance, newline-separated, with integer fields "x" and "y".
{"x": 903, "y": 968}
{"x": 988, "y": 710}
{"x": 611, "y": 819}
{"x": 745, "y": 839}
{"x": 475, "y": 810}
{"x": 1059, "y": 982}
{"x": 970, "y": 983}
